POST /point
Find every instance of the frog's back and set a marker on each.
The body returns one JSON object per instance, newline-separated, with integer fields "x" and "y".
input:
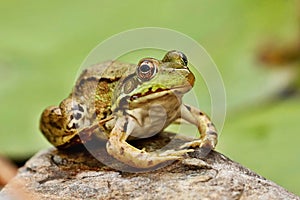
{"x": 96, "y": 84}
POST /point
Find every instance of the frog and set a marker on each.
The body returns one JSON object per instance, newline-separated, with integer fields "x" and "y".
{"x": 117, "y": 102}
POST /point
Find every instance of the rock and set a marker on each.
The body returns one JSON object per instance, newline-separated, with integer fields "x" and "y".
{"x": 76, "y": 174}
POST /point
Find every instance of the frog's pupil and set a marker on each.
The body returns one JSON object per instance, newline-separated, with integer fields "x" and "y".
{"x": 144, "y": 68}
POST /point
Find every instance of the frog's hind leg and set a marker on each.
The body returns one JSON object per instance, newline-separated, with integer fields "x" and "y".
{"x": 60, "y": 124}
{"x": 208, "y": 134}
{"x": 126, "y": 153}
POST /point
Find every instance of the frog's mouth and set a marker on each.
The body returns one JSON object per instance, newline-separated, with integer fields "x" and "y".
{"x": 159, "y": 92}
{"x": 139, "y": 99}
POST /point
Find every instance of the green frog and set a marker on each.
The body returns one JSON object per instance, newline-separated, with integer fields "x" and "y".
{"x": 116, "y": 102}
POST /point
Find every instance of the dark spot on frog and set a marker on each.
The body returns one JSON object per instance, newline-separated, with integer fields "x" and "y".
{"x": 55, "y": 125}
{"x": 125, "y": 126}
{"x": 84, "y": 80}
{"x": 84, "y": 71}
{"x": 122, "y": 151}
{"x": 104, "y": 114}
{"x": 123, "y": 102}
{"x": 210, "y": 132}
{"x": 188, "y": 107}
{"x": 201, "y": 113}
{"x": 80, "y": 108}
{"x": 210, "y": 124}
{"x": 77, "y": 116}
{"x": 54, "y": 110}
{"x": 77, "y": 107}
{"x": 150, "y": 162}
{"x": 109, "y": 80}
{"x": 134, "y": 97}
{"x": 74, "y": 126}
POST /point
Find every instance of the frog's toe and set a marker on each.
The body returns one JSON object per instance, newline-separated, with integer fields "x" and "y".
{"x": 176, "y": 153}
{"x": 154, "y": 160}
{"x": 169, "y": 155}
{"x": 204, "y": 146}
{"x": 192, "y": 144}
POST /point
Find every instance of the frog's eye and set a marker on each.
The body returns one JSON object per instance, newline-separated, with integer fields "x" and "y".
{"x": 183, "y": 58}
{"x": 176, "y": 56}
{"x": 146, "y": 70}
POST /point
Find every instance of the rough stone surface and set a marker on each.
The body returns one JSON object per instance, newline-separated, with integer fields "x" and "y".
{"x": 53, "y": 174}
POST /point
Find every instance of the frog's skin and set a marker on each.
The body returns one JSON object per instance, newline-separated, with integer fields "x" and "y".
{"x": 115, "y": 101}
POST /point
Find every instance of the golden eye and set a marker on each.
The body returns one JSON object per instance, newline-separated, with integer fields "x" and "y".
{"x": 176, "y": 56}
{"x": 184, "y": 59}
{"x": 146, "y": 70}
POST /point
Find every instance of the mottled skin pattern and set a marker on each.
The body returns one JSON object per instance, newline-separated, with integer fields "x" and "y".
{"x": 115, "y": 101}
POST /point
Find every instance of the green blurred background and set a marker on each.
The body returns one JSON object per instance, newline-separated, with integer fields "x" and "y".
{"x": 43, "y": 43}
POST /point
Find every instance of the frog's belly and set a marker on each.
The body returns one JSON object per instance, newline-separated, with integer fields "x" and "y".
{"x": 152, "y": 120}
{"x": 151, "y": 127}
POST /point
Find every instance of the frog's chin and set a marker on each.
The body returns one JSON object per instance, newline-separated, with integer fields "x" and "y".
{"x": 181, "y": 89}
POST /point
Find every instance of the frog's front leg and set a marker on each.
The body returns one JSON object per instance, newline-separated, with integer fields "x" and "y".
{"x": 208, "y": 134}
{"x": 126, "y": 153}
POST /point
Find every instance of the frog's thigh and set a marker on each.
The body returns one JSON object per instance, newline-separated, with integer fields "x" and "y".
{"x": 126, "y": 153}
{"x": 208, "y": 134}
{"x": 60, "y": 124}
{"x": 50, "y": 125}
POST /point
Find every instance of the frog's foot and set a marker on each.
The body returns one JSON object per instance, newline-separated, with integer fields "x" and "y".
{"x": 205, "y": 146}
{"x": 156, "y": 158}
{"x": 177, "y": 153}
{"x": 209, "y": 136}
{"x": 118, "y": 147}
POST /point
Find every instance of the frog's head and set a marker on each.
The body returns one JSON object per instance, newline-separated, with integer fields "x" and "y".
{"x": 155, "y": 78}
